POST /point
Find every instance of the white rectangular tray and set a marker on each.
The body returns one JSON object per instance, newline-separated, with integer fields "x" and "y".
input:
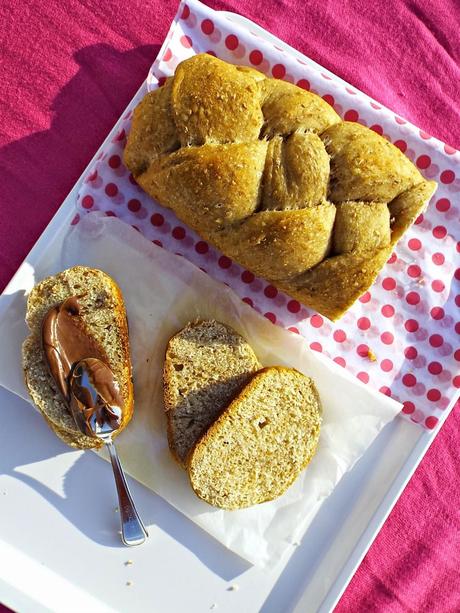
{"x": 58, "y": 545}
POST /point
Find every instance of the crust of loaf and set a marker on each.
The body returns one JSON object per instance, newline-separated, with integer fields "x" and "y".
{"x": 206, "y": 365}
{"x": 102, "y": 305}
{"x": 259, "y": 167}
{"x": 259, "y": 445}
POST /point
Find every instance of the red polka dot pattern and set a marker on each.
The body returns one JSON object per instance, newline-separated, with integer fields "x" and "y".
{"x": 411, "y": 325}
{"x": 431, "y": 422}
{"x": 409, "y": 380}
{"x": 351, "y": 115}
{"x": 270, "y": 291}
{"x": 389, "y": 284}
{"x": 256, "y": 57}
{"x": 201, "y": 247}
{"x": 386, "y": 365}
{"x": 447, "y": 176}
{"x": 402, "y": 334}
{"x": 408, "y": 407}
{"x": 278, "y": 71}
{"x": 111, "y": 190}
{"x": 387, "y": 338}
{"x": 303, "y": 83}
{"x": 363, "y": 351}
{"x": 414, "y": 270}
{"x": 293, "y": 306}
{"x": 157, "y": 219}
{"x": 87, "y": 201}
{"x": 225, "y": 262}
{"x": 186, "y": 42}
{"x": 437, "y": 313}
{"x": 114, "y": 161}
{"x": 436, "y": 340}
{"x": 207, "y": 27}
{"x": 363, "y": 376}
{"x": 411, "y": 353}
{"x": 413, "y": 298}
{"x": 316, "y": 321}
{"x": 443, "y": 205}
{"x": 415, "y": 244}
{"x": 134, "y": 205}
{"x": 178, "y": 233}
{"x": 363, "y": 323}
{"x": 401, "y": 144}
{"x": 388, "y": 310}
{"x": 423, "y": 161}
{"x": 231, "y": 42}
{"x": 439, "y": 232}
{"x": 247, "y": 277}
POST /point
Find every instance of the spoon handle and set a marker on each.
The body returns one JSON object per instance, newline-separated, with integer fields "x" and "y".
{"x": 133, "y": 531}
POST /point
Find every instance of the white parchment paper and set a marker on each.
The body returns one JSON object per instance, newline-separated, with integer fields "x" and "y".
{"x": 162, "y": 293}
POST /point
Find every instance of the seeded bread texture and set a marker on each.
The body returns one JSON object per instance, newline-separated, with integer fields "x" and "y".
{"x": 207, "y": 364}
{"x": 259, "y": 445}
{"x": 269, "y": 174}
{"x": 103, "y": 313}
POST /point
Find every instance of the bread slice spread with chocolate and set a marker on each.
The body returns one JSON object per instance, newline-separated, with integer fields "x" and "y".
{"x": 77, "y": 317}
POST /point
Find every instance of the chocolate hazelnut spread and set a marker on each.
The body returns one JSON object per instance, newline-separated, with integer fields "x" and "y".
{"x": 95, "y": 400}
{"x": 79, "y": 368}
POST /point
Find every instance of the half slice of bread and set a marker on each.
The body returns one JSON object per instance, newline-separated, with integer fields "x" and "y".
{"x": 206, "y": 365}
{"x": 256, "y": 449}
{"x": 103, "y": 313}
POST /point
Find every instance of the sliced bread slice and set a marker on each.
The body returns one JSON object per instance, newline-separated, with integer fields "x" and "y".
{"x": 206, "y": 365}
{"x": 103, "y": 313}
{"x": 257, "y": 448}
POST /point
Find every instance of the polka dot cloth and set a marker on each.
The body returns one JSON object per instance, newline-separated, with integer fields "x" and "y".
{"x": 402, "y": 336}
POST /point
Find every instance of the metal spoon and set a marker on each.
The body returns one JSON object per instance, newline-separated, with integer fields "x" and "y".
{"x": 85, "y": 399}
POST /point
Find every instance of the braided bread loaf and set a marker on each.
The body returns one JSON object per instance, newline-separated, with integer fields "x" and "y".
{"x": 269, "y": 174}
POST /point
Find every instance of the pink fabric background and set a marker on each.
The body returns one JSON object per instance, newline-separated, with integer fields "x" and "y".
{"x": 57, "y": 103}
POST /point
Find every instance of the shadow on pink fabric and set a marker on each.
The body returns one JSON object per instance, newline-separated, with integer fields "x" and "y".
{"x": 40, "y": 168}
{"x": 70, "y": 68}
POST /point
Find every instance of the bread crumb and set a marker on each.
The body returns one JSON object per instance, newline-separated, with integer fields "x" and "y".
{"x": 233, "y": 588}
{"x": 129, "y": 583}
{"x": 371, "y": 355}
{"x": 129, "y": 562}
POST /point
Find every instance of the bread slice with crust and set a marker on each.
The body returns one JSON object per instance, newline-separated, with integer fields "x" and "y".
{"x": 259, "y": 445}
{"x": 103, "y": 313}
{"x": 206, "y": 365}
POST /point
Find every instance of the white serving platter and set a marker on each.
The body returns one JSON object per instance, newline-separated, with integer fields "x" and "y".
{"x": 59, "y": 549}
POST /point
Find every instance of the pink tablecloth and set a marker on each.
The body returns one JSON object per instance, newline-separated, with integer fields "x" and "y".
{"x": 57, "y": 102}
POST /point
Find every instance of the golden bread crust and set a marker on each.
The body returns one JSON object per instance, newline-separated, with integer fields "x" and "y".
{"x": 269, "y": 174}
